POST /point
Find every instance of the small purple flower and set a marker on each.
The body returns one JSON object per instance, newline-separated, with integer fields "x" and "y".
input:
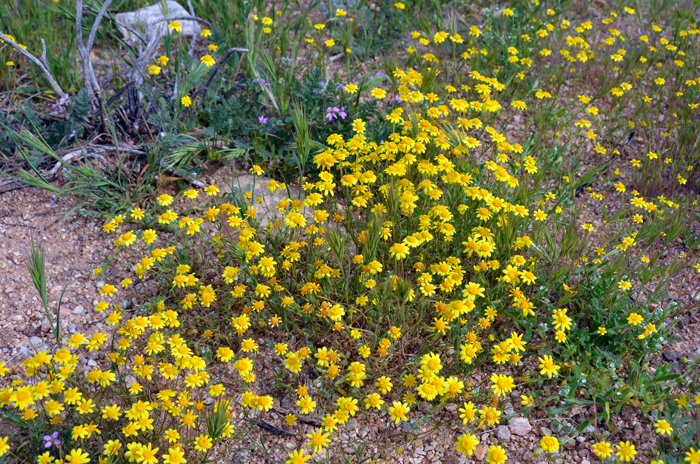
{"x": 61, "y": 101}
{"x": 288, "y": 60}
{"x": 51, "y": 440}
{"x": 322, "y": 83}
{"x": 334, "y": 112}
{"x": 262, "y": 81}
{"x": 331, "y": 115}
{"x": 72, "y": 134}
{"x": 128, "y": 41}
{"x": 262, "y": 119}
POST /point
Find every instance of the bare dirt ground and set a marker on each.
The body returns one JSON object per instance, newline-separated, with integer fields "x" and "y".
{"x": 73, "y": 248}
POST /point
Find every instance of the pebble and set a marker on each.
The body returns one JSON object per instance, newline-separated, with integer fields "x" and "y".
{"x": 37, "y": 343}
{"x": 480, "y": 452}
{"x": 503, "y": 433}
{"x": 459, "y": 459}
{"x": 519, "y": 426}
{"x": 568, "y": 442}
{"x": 78, "y": 310}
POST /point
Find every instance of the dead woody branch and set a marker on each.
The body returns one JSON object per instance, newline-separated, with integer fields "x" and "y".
{"x": 40, "y": 62}
{"x": 91, "y": 84}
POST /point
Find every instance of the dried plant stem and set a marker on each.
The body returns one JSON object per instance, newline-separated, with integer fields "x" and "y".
{"x": 91, "y": 84}
{"x": 40, "y": 62}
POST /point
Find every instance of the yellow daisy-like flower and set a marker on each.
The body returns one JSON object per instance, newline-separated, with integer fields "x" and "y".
{"x": 208, "y": 61}
{"x": 466, "y": 444}
{"x": 662, "y": 427}
{"x": 202, "y": 443}
{"x": 4, "y": 447}
{"x": 549, "y": 444}
{"x": 626, "y": 451}
{"x": 297, "y": 457}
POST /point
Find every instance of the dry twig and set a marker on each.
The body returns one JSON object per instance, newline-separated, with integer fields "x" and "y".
{"x": 73, "y": 155}
{"x": 91, "y": 84}
{"x": 40, "y": 62}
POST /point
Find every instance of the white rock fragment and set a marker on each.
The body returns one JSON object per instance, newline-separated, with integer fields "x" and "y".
{"x": 519, "y": 426}
{"x": 139, "y": 19}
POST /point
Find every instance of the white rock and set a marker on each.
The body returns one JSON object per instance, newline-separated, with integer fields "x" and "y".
{"x": 519, "y": 426}
{"x": 140, "y": 19}
{"x": 503, "y": 433}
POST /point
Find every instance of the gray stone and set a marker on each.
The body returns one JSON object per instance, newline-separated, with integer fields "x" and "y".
{"x": 568, "y": 442}
{"x": 78, "y": 310}
{"x": 503, "y": 433}
{"x": 557, "y": 426}
{"x": 140, "y": 19}
{"x": 519, "y": 426}
{"x": 408, "y": 426}
{"x": 37, "y": 343}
